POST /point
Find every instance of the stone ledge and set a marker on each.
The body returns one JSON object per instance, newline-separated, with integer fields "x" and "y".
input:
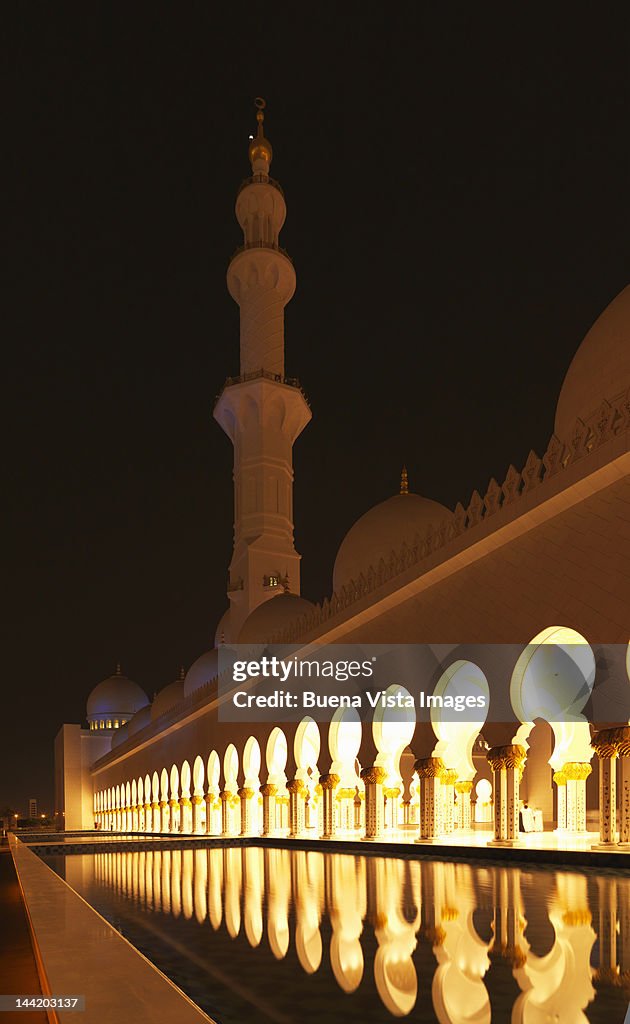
{"x": 82, "y": 954}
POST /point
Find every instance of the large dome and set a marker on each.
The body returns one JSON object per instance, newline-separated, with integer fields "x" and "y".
{"x": 139, "y": 720}
{"x": 382, "y": 530}
{"x": 201, "y": 671}
{"x": 116, "y": 699}
{"x": 168, "y": 697}
{"x": 599, "y": 370}
{"x": 272, "y": 616}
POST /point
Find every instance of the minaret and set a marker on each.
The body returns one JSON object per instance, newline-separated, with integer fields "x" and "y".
{"x": 261, "y": 411}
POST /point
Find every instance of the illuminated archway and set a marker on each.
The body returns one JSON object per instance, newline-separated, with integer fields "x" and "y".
{"x": 306, "y": 749}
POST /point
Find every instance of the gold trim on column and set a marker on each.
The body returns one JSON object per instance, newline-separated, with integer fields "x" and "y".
{"x": 576, "y": 771}
{"x": 373, "y": 776}
{"x": 430, "y": 768}
{"x": 511, "y": 755}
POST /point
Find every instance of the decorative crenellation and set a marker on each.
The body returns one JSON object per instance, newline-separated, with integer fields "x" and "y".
{"x": 610, "y": 421}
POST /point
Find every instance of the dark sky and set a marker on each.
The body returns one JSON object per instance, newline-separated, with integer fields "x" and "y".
{"x": 457, "y": 184}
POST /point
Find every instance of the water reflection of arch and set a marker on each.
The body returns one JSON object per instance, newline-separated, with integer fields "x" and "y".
{"x": 253, "y": 882}
{"x": 346, "y": 902}
{"x": 277, "y": 871}
{"x": 397, "y": 921}
{"x": 307, "y": 885}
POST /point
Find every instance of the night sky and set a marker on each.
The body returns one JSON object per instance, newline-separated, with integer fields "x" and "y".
{"x": 457, "y": 186}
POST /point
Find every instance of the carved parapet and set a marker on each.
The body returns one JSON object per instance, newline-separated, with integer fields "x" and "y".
{"x": 329, "y": 781}
{"x": 512, "y": 755}
{"x": 430, "y": 768}
{"x": 375, "y": 775}
{"x": 576, "y": 771}
{"x": 604, "y": 744}
{"x": 268, "y": 789}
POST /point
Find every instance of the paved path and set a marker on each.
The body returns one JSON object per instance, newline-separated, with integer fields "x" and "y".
{"x": 18, "y": 971}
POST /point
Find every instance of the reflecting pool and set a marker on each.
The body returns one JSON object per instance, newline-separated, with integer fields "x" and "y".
{"x": 288, "y": 936}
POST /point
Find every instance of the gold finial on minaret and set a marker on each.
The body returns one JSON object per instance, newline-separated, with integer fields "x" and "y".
{"x": 404, "y": 481}
{"x": 260, "y": 151}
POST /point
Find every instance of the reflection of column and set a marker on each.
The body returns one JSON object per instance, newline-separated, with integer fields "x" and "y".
{"x": 464, "y": 816}
{"x": 608, "y": 969}
{"x": 373, "y": 779}
{"x": 245, "y": 795}
{"x": 296, "y": 807}
{"x": 328, "y": 783}
{"x": 225, "y": 797}
{"x": 269, "y": 808}
{"x": 560, "y": 780}
{"x": 621, "y": 739}
{"x": 506, "y": 763}
{"x": 576, "y": 772}
{"x": 430, "y": 771}
{"x": 607, "y": 753}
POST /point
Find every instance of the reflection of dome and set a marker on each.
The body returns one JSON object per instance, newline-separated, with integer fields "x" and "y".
{"x": 272, "y": 616}
{"x": 140, "y": 719}
{"x": 116, "y": 699}
{"x": 382, "y": 530}
{"x": 599, "y": 370}
{"x": 201, "y": 671}
{"x": 168, "y": 697}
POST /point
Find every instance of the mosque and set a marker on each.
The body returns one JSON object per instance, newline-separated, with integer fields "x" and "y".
{"x": 531, "y": 575}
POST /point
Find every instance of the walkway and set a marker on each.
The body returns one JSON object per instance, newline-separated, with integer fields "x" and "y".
{"x": 18, "y": 970}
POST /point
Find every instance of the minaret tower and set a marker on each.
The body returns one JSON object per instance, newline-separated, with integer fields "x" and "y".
{"x": 261, "y": 411}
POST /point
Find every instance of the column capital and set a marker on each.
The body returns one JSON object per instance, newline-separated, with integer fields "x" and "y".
{"x": 576, "y": 771}
{"x": 295, "y": 785}
{"x": 559, "y": 778}
{"x": 510, "y": 755}
{"x": 374, "y": 775}
{"x": 329, "y": 781}
{"x": 245, "y": 793}
{"x": 225, "y": 794}
{"x": 268, "y": 789}
{"x": 430, "y": 768}
{"x": 604, "y": 744}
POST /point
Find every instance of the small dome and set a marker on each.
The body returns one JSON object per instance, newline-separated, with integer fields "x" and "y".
{"x": 599, "y": 370}
{"x": 115, "y": 698}
{"x": 272, "y": 616}
{"x": 201, "y": 671}
{"x": 139, "y": 720}
{"x": 168, "y": 697}
{"x": 382, "y": 530}
{"x": 223, "y": 634}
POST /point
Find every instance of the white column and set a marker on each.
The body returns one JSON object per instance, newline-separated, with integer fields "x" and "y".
{"x": 373, "y": 779}
{"x": 296, "y": 807}
{"x": 506, "y": 763}
{"x": 269, "y": 809}
{"x": 328, "y": 784}
{"x": 560, "y": 780}
{"x": 463, "y": 788}
{"x": 576, "y": 773}
{"x": 430, "y": 771}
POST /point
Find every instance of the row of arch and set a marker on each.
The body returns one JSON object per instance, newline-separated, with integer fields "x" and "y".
{"x": 247, "y": 791}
